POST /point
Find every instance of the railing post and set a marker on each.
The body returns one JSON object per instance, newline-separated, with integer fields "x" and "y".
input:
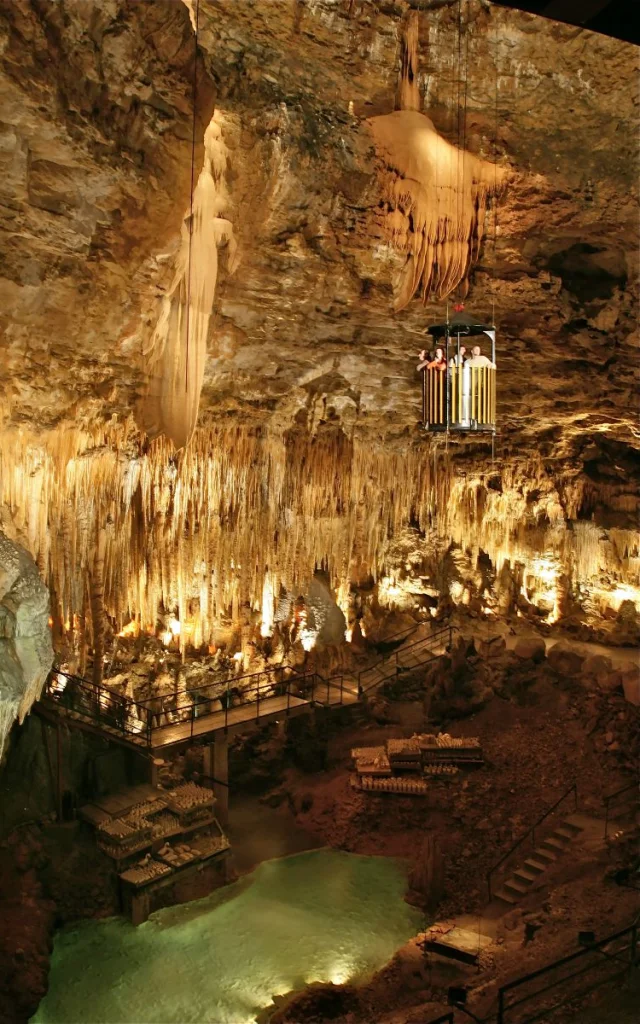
{"x": 606, "y": 817}
{"x": 500, "y": 1017}
{"x": 258, "y": 701}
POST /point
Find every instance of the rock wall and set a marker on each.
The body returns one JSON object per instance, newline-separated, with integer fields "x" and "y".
{"x": 26, "y": 654}
{"x": 308, "y": 449}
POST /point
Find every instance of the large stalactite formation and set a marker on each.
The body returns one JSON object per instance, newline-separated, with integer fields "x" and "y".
{"x": 435, "y": 194}
{"x": 178, "y": 349}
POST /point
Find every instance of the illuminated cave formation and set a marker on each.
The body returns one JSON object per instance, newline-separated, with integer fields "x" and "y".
{"x": 435, "y": 194}
{"x": 178, "y": 348}
{"x": 244, "y": 515}
{"x": 229, "y": 551}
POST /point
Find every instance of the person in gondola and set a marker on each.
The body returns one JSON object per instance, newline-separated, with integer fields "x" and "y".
{"x": 425, "y": 359}
{"x": 459, "y": 358}
{"x": 438, "y": 362}
{"x": 478, "y": 359}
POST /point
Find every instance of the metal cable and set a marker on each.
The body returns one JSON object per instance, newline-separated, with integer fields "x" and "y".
{"x": 193, "y": 168}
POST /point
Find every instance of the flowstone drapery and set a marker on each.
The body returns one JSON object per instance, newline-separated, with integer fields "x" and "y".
{"x": 178, "y": 347}
{"x": 435, "y": 194}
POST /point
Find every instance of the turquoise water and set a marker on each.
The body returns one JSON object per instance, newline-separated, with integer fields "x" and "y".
{"x": 320, "y": 916}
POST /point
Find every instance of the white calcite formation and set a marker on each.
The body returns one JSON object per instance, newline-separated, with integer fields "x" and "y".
{"x": 26, "y": 654}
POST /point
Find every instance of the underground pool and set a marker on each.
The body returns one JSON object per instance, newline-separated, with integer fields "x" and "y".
{"x": 317, "y": 916}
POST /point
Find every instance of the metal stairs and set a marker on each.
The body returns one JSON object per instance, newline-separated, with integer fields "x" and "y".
{"x": 544, "y": 856}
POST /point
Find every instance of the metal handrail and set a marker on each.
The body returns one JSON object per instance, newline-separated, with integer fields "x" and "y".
{"x": 393, "y": 657}
{"x": 530, "y": 832}
{"x": 632, "y": 948}
{"x": 612, "y": 797}
{"x": 408, "y": 630}
{"x": 188, "y": 712}
{"x": 313, "y": 686}
{"x": 231, "y": 681}
{"x": 96, "y": 702}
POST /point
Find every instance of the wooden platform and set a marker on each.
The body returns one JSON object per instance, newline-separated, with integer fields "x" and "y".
{"x": 455, "y": 942}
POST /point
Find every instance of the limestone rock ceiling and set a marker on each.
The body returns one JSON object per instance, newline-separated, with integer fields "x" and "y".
{"x": 95, "y": 149}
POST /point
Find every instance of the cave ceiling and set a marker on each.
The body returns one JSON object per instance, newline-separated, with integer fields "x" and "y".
{"x": 96, "y": 128}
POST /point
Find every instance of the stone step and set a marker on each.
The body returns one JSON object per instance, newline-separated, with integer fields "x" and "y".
{"x": 526, "y": 876}
{"x": 553, "y": 844}
{"x": 544, "y": 855}
{"x": 506, "y": 897}
{"x": 512, "y": 885}
{"x": 565, "y": 832}
{"x": 535, "y": 866}
{"x": 573, "y": 826}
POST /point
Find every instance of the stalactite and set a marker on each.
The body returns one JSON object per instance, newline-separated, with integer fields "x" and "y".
{"x": 98, "y": 623}
{"x": 178, "y": 347}
{"x": 434, "y": 194}
{"x": 408, "y": 97}
{"x": 191, "y": 538}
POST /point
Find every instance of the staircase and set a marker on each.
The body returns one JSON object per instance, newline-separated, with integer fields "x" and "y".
{"x": 404, "y": 659}
{"x": 544, "y": 856}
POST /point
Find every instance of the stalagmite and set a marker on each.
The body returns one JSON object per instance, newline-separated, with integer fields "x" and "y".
{"x": 178, "y": 347}
{"x": 435, "y": 194}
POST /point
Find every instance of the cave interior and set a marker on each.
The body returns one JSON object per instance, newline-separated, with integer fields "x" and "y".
{"x": 319, "y": 497}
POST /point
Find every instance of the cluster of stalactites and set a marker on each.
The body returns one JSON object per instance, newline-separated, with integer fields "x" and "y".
{"x": 123, "y": 533}
{"x": 126, "y": 534}
{"x": 434, "y": 194}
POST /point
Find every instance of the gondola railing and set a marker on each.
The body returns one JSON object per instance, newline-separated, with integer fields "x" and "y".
{"x": 459, "y": 398}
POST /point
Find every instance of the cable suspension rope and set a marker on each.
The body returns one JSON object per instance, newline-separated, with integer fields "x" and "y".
{"x": 193, "y": 171}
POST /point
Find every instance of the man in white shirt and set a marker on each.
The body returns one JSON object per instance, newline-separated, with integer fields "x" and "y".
{"x": 477, "y": 359}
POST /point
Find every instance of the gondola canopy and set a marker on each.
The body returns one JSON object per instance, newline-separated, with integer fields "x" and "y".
{"x": 461, "y": 323}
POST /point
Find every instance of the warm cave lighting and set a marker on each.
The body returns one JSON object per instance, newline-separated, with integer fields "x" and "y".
{"x": 456, "y": 590}
{"x": 59, "y": 684}
{"x": 307, "y": 636}
{"x": 339, "y": 975}
{"x": 622, "y": 592}
{"x": 268, "y": 612}
{"x": 166, "y": 637}
{"x": 131, "y": 629}
{"x": 174, "y": 626}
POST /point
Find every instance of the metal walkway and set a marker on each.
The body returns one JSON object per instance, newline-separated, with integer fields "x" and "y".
{"x": 255, "y": 697}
